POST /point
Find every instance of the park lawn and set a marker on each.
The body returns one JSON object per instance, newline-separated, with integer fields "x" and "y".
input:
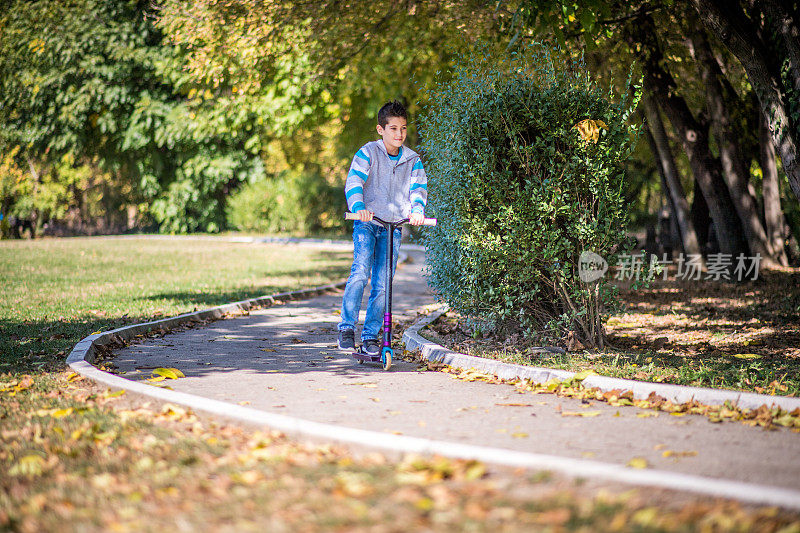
{"x": 75, "y": 456}
{"x": 57, "y": 291}
{"x": 702, "y": 333}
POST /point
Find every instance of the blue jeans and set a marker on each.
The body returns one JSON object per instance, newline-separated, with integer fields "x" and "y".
{"x": 370, "y": 243}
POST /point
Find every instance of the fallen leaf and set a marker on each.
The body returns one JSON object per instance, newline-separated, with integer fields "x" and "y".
{"x": 585, "y": 414}
{"x": 672, "y": 453}
{"x": 553, "y": 517}
{"x": 519, "y": 435}
{"x": 638, "y": 462}
{"x": 169, "y": 373}
{"x": 28, "y": 466}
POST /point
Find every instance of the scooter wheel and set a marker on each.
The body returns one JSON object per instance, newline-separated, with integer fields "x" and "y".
{"x": 386, "y": 358}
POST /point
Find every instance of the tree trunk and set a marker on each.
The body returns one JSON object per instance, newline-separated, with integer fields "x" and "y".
{"x": 701, "y": 219}
{"x": 705, "y": 168}
{"x": 781, "y": 22}
{"x": 770, "y": 189}
{"x": 731, "y": 26}
{"x": 734, "y": 171}
{"x": 671, "y": 179}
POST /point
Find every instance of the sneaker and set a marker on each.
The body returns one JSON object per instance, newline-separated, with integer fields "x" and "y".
{"x": 372, "y": 347}
{"x": 347, "y": 340}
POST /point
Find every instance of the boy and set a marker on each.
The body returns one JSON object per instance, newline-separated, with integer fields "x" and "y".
{"x": 386, "y": 180}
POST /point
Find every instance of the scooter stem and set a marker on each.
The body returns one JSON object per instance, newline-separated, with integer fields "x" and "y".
{"x": 387, "y": 316}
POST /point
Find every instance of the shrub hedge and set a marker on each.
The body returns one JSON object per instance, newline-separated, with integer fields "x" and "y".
{"x": 525, "y": 156}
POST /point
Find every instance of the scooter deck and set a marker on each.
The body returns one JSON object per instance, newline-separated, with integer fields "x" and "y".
{"x": 363, "y": 357}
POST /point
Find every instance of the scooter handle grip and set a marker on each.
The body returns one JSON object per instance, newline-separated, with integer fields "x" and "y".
{"x": 425, "y": 222}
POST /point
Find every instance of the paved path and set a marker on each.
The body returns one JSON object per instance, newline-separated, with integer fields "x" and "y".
{"x": 284, "y": 360}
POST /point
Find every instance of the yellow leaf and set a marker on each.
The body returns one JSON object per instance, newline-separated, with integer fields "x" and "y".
{"x": 589, "y": 129}
{"x": 30, "y": 466}
{"x": 61, "y": 413}
{"x": 74, "y": 376}
{"x": 355, "y": 484}
{"x": 672, "y": 453}
{"x": 169, "y": 373}
{"x": 248, "y": 477}
{"x": 646, "y": 414}
{"x": 638, "y": 462}
{"x": 115, "y": 394}
{"x": 474, "y": 470}
{"x": 519, "y": 435}
{"x": 585, "y": 414}
{"x": 424, "y": 504}
{"x": 747, "y": 356}
{"x": 25, "y": 383}
{"x": 267, "y": 350}
{"x": 156, "y": 379}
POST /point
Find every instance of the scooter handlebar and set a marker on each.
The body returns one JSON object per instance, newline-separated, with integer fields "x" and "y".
{"x": 425, "y": 222}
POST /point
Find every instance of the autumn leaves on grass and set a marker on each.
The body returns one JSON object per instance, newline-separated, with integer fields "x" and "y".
{"x": 573, "y": 387}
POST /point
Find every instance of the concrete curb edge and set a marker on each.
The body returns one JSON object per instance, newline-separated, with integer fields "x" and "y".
{"x": 85, "y": 350}
{"x": 675, "y": 393}
{"x": 83, "y": 353}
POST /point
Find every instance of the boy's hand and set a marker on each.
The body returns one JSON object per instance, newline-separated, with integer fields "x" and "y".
{"x": 417, "y": 218}
{"x": 365, "y": 216}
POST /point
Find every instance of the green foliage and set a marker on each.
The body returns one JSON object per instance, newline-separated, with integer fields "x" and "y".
{"x": 94, "y": 82}
{"x": 290, "y": 202}
{"x": 520, "y": 191}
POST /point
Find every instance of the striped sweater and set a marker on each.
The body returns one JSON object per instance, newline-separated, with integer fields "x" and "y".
{"x": 391, "y": 187}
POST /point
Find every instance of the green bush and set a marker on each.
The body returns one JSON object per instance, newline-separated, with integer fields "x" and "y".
{"x": 290, "y": 202}
{"x": 521, "y": 189}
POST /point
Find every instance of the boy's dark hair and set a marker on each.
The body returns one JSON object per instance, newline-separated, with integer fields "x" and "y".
{"x": 389, "y": 110}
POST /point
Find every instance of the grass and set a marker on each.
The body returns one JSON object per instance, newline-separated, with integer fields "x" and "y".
{"x": 710, "y": 334}
{"x": 78, "y": 457}
{"x": 57, "y": 291}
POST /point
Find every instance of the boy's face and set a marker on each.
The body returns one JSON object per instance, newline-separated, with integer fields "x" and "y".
{"x": 394, "y": 134}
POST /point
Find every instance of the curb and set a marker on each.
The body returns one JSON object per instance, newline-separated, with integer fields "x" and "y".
{"x": 641, "y": 390}
{"x": 84, "y": 352}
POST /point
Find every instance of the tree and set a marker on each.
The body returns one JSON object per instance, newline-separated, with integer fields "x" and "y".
{"x": 694, "y": 136}
{"x": 599, "y": 25}
{"x": 669, "y": 171}
{"x": 766, "y": 42}
{"x": 103, "y": 91}
{"x": 734, "y": 169}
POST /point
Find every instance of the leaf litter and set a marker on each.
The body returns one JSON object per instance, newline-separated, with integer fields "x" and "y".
{"x": 159, "y": 465}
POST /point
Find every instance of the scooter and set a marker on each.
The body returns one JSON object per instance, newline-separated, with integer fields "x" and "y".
{"x": 385, "y": 357}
